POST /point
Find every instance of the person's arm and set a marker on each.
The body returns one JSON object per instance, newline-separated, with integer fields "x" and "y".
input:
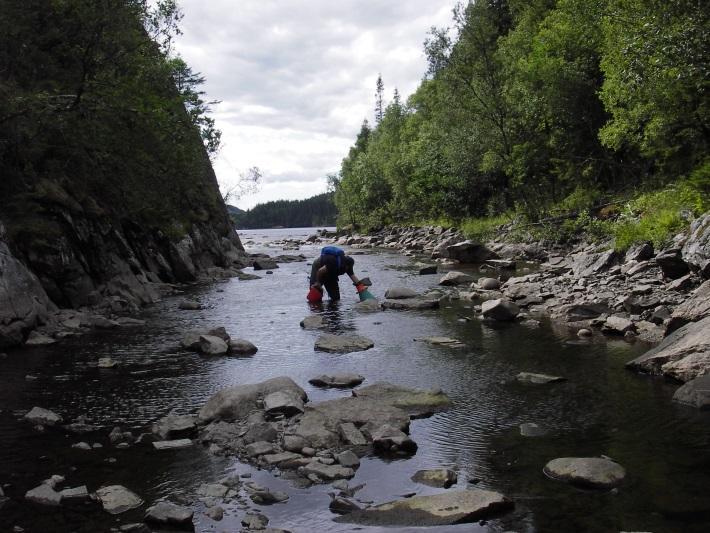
{"x": 354, "y": 279}
{"x": 321, "y": 274}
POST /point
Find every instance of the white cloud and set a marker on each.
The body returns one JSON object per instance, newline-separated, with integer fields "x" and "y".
{"x": 296, "y": 79}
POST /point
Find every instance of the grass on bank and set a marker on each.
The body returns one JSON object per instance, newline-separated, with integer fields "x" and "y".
{"x": 654, "y": 216}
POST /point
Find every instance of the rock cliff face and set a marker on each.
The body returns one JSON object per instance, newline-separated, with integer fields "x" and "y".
{"x": 103, "y": 263}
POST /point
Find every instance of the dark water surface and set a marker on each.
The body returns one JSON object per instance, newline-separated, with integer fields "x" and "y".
{"x": 601, "y": 410}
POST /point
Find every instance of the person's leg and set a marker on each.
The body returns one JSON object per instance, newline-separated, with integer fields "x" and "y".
{"x": 331, "y": 285}
{"x": 314, "y": 269}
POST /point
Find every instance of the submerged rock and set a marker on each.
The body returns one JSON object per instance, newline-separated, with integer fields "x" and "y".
{"x": 169, "y": 514}
{"x": 594, "y": 472}
{"x": 44, "y": 417}
{"x": 337, "y": 380}
{"x": 538, "y": 379}
{"x": 313, "y": 322}
{"x": 442, "y": 341}
{"x": 695, "y": 393}
{"x": 419, "y": 303}
{"x": 368, "y": 306}
{"x": 117, "y": 499}
{"x": 342, "y": 343}
{"x": 531, "y": 429}
{"x": 440, "y": 477}
{"x": 436, "y": 510}
{"x": 190, "y": 305}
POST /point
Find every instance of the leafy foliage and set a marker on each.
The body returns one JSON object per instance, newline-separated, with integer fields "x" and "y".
{"x": 97, "y": 118}
{"x": 542, "y": 108}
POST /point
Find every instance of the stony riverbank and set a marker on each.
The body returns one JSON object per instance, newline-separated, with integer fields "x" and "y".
{"x": 654, "y": 296}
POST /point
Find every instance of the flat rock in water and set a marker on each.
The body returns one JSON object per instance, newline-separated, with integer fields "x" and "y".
{"x": 409, "y": 304}
{"x": 345, "y": 380}
{"x": 38, "y": 339}
{"x": 440, "y": 477}
{"x": 44, "y": 495}
{"x": 442, "y": 341}
{"x": 242, "y": 347}
{"x": 106, "y": 362}
{"x": 531, "y": 429}
{"x": 538, "y": 379}
{"x": 456, "y": 278}
{"x": 75, "y": 494}
{"x": 400, "y": 293}
{"x": 177, "y": 444}
{"x": 342, "y": 343}
{"x": 436, "y": 510}
{"x": 117, "y": 499}
{"x": 169, "y": 514}
{"x": 212, "y": 490}
{"x": 190, "y": 305}
{"x": 368, "y": 306}
{"x": 45, "y": 417}
{"x": 313, "y": 322}
{"x": 695, "y": 393}
{"x": 594, "y": 472}
{"x": 173, "y": 426}
{"x": 414, "y": 402}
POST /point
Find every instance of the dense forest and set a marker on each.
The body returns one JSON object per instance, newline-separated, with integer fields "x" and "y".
{"x": 99, "y": 117}
{"x": 318, "y": 210}
{"x": 532, "y": 108}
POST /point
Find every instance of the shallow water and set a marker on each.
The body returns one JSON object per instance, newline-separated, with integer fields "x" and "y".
{"x": 601, "y": 410}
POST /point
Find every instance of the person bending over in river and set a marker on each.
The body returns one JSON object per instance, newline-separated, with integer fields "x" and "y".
{"x": 325, "y": 271}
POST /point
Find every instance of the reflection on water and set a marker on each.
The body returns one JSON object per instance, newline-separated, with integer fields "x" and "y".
{"x": 601, "y": 409}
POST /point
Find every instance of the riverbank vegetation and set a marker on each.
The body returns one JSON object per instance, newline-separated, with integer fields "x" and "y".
{"x": 556, "y": 116}
{"x": 99, "y": 118}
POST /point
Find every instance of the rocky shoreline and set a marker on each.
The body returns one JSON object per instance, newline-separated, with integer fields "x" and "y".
{"x": 588, "y": 290}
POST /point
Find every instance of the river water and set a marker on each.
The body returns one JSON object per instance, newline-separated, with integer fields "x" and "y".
{"x": 601, "y": 410}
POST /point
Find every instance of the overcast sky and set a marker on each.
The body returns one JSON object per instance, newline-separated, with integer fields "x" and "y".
{"x": 297, "y": 78}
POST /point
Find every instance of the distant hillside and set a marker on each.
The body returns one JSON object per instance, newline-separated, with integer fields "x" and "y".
{"x": 315, "y": 211}
{"x": 234, "y": 212}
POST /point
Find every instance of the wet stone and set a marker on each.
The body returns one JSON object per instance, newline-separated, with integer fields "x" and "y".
{"x": 593, "y": 472}
{"x": 45, "y": 417}
{"x": 441, "y": 477}
{"x": 348, "y": 459}
{"x": 44, "y": 495}
{"x": 242, "y": 347}
{"x": 260, "y": 448}
{"x": 213, "y": 490}
{"x": 76, "y": 494}
{"x": 287, "y": 403}
{"x": 117, "y": 499}
{"x": 169, "y": 514}
{"x": 337, "y": 380}
{"x": 177, "y": 444}
{"x": 531, "y": 429}
{"x": 352, "y": 435}
{"x": 538, "y": 379}
{"x": 342, "y": 343}
{"x": 313, "y": 322}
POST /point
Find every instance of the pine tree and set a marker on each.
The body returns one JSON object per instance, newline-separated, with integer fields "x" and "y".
{"x": 379, "y": 105}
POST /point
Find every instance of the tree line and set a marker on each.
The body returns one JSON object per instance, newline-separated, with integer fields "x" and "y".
{"x": 529, "y": 105}
{"x": 318, "y": 210}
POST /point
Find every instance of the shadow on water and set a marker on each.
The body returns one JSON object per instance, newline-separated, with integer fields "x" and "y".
{"x": 600, "y": 409}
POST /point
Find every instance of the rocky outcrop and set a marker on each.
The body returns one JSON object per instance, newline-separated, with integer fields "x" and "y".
{"x": 696, "y": 250}
{"x": 693, "y": 309}
{"x": 683, "y": 355}
{"x": 695, "y": 393}
{"x": 24, "y": 304}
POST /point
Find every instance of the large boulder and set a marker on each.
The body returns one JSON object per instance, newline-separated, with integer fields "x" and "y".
{"x": 587, "y": 264}
{"x": 456, "y": 278}
{"x": 44, "y": 494}
{"x": 671, "y": 263}
{"x": 501, "y": 309}
{"x": 171, "y": 515}
{"x": 400, "y": 293}
{"x": 436, "y": 510}
{"x": 470, "y": 252}
{"x": 693, "y": 309}
{"x": 237, "y": 402}
{"x": 683, "y": 355}
{"x": 117, "y": 499}
{"x": 24, "y": 304}
{"x": 696, "y": 251}
{"x": 592, "y": 472}
{"x": 342, "y": 343}
{"x": 695, "y": 393}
